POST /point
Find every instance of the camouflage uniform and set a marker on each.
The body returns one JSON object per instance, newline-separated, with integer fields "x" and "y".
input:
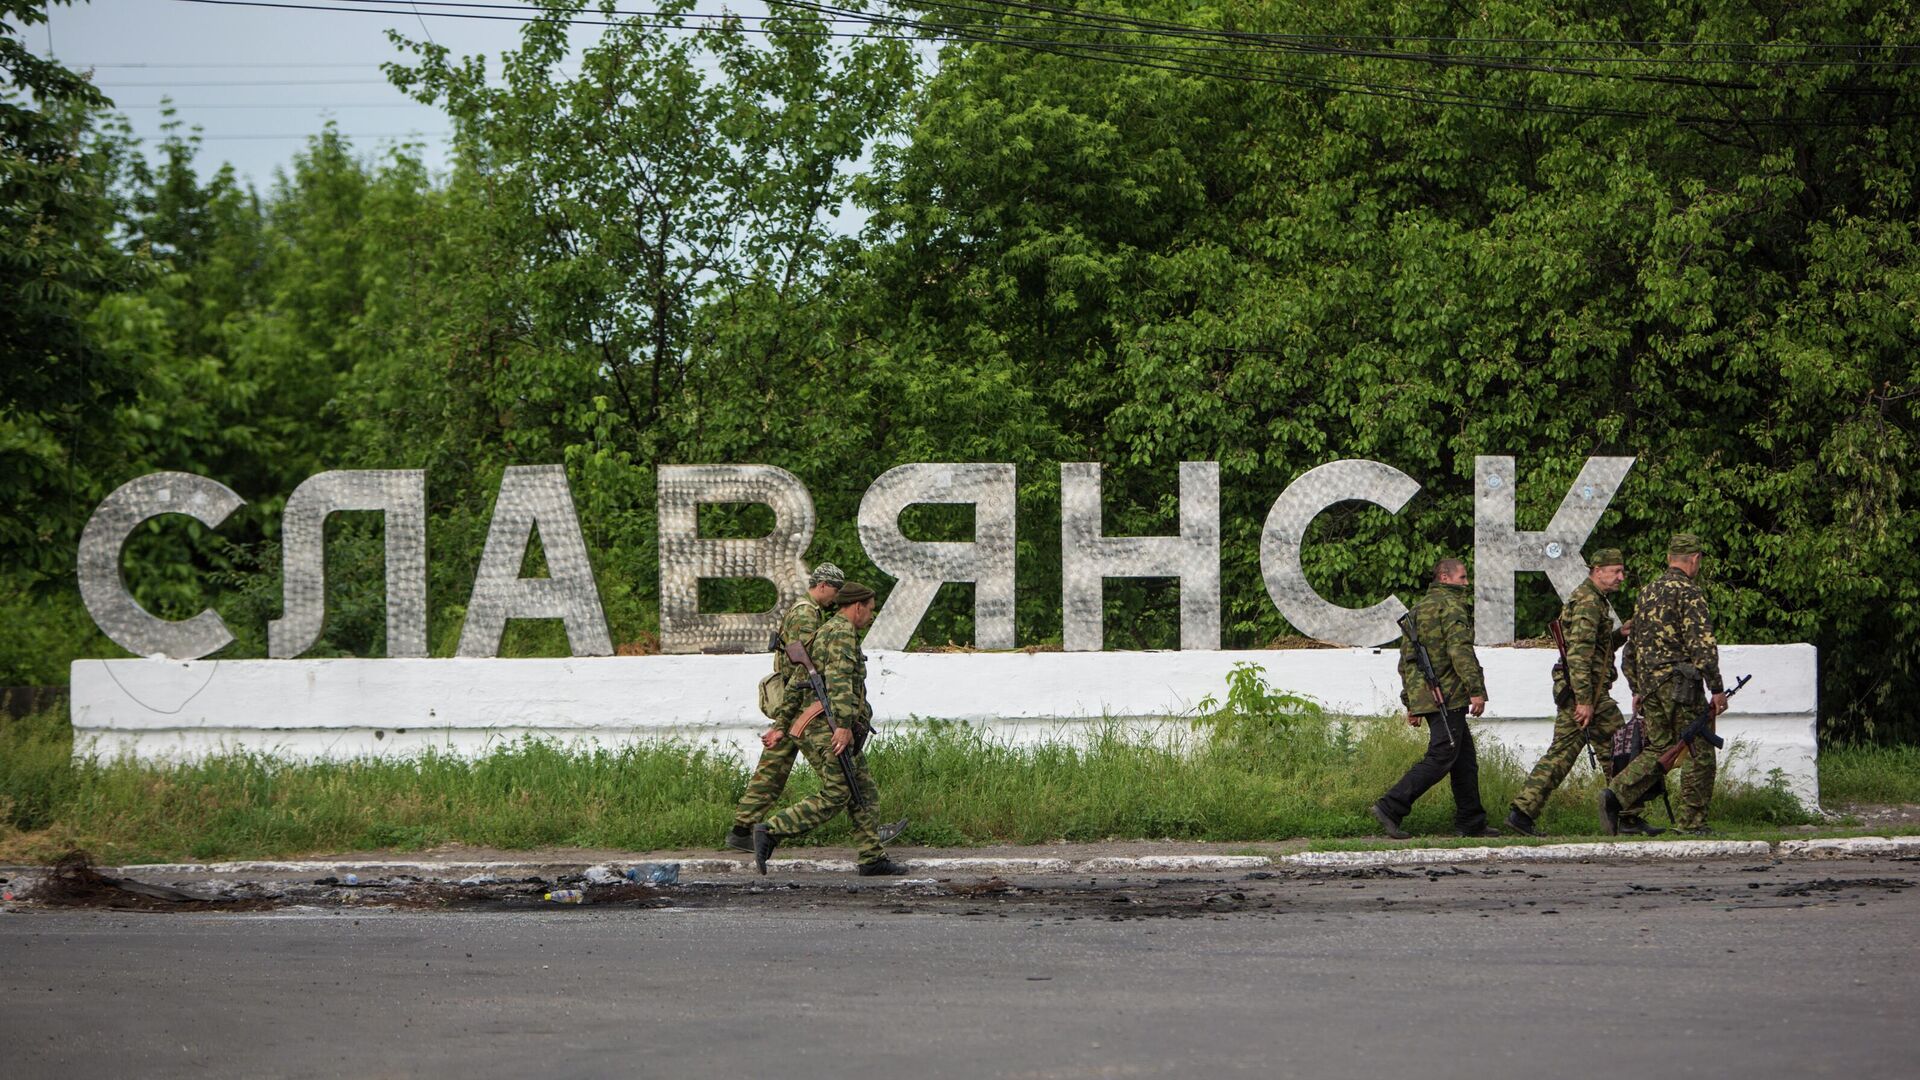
{"x": 1593, "y": 636}
{"x": 776, "y": 762}
{"x": 1444, "y": 620}
{"x": 1674, "y": 651}
{"x": 836, "y": 652}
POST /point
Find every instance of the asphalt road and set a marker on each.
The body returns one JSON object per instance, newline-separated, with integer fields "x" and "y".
{"x": 1794, "y": 969}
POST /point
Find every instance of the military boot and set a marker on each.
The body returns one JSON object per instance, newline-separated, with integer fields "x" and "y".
{"x": 1388, "y": 825}
{"x": 763, "y": 844}
{"x": 1609, "y": 812}
{"x": 1520, "y": 822}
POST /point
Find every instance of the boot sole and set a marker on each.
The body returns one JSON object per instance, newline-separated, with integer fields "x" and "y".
{"x": 1389, "y": 826}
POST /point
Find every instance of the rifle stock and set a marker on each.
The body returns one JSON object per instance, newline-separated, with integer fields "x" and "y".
{"x": 1565, "y": 670}
{"x": 1701, "y": 728}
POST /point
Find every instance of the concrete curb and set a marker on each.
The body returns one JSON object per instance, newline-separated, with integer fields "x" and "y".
{"x": 1672, "y": 849}
{"x": 1850, "y": 847}
{"x": 1840, "y": 848}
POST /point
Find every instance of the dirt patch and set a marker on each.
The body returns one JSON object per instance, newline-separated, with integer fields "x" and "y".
{"x": 1834, "y": 885}
{"x": 74, "y": 883}
{"x": 1548, "y": 889}
{"x": 1881, "y": 815}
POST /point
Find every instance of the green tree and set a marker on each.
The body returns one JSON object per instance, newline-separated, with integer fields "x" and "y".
{"x": 57, "y": 258}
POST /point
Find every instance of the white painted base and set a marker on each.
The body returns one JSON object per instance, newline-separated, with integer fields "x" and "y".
{"x": 307, "y": 709}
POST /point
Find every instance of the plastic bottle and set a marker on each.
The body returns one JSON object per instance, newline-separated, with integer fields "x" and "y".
{"x": 654, "y": 873}
{"x": 567, "y": 896}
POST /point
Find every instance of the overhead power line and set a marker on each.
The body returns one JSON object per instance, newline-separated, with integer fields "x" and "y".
{"x": 274, "y": 105}
{"x": 1160, "y": 55}
{"x": 256, "y": 82}
{"x": 216, "y": 65}
{"x": 343, "y": 135}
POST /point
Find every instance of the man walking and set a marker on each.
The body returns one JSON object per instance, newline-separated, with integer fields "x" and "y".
{"x": 778, "y": 753}
{"x": 1443, "y": 622}
{"x": 836, "y": 653}
{"x": 1588, "y": 716}
{"x": 1674, "y": 654}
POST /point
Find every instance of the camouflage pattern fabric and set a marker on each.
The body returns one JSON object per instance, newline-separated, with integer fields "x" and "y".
{"x": 1444, "y": 620}
{"x": 1672, "y": 627}
{"x": 1664, "y": 719}
{"x": 798, "y": 624}
{"x": 835, "y": 649}
{"x": 1569, "y": 739}
{"x": 1696, "y": 784}
{"x": 819, "y": 808}
{"x": 1588, "y": 622}
{"x": 1673, "y": 647}
{"x": 1593, "y": 637}
{"x": 769, "y": 777}
{"x": 836, "y": 652}
{"x": 768, "y": 781}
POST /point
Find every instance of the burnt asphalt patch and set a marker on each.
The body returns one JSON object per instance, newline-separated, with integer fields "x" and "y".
{"x": 1545, "y": 889}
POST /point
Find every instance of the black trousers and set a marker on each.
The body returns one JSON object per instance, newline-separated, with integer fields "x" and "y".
{"x": 1449, "y": 754}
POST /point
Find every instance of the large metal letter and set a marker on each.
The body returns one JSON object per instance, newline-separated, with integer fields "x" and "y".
{"x": 1315, "y": 490}
{"x": 1087, "y": 558}
{"x": 401, "y": 497}
{"x": 1500, "y": 551}
{"x": 685, "y": 558}
{"x": 114, "y": 610}
{"x": 922, "y": 566}
{"x": 535, "y": 496}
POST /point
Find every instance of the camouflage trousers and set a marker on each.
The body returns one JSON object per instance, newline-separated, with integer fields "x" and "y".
{"x": 817, "y": 809}
{"x": 1665, "y": 719}
{"x": 1569, "y": 739}
{"x": 768, "y": 781}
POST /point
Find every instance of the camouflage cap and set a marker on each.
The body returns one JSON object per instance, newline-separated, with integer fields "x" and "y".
{"x": 1607, "y": 557}
{"x": 827, "y": 574}
{"x": 853, "y": 593}
{"x": 1684, "y": 544}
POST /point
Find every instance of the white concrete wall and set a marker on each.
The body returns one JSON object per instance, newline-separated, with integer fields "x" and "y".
{"x": 343, "y": 708}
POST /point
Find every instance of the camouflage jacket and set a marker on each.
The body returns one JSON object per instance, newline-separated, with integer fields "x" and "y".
{"x": 1444, "y": 620}
{"x": 835, "y": 649}
{"x": 798, "y": 624}
{"x": 1593, "y": 636}
{"x": 1671, "y": 626}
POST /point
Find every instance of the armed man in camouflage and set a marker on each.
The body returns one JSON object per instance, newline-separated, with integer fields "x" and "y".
{"x": 1588, "y": 716}
{"x": 1674, "y": 654}
{"x": 1443, "y": 619}
{"x": 778, "y": 752}
{"x": 836, "y": 653}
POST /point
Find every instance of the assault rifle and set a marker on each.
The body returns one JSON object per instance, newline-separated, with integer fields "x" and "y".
{"x": 797, "y": 653}
{"x": 1424, "y": 662}
{"x": 1701, "y": 728}
{"x": 1565, "y": 671}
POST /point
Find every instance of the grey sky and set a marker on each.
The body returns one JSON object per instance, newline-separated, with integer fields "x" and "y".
{"x": 303, "y": 68}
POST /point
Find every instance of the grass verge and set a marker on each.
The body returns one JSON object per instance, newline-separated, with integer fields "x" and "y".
{"x": 1291, "y": 773}
{"x": 1870, "y": 774}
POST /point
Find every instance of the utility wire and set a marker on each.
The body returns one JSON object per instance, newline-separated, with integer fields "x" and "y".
{"x": 343, "y": 135}
{"x": 258, "y": 82}
{"x": 1103, "y": 52}
{"x": 274, "y": 105}
{"x": 1096, "y": 21}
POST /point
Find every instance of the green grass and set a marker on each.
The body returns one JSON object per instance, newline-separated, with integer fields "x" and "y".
{"x": 1870, "y": 774}
{"x": 1290, "y": 775}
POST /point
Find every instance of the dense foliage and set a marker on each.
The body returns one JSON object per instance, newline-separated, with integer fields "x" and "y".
{"x": 1113, "y": 245}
